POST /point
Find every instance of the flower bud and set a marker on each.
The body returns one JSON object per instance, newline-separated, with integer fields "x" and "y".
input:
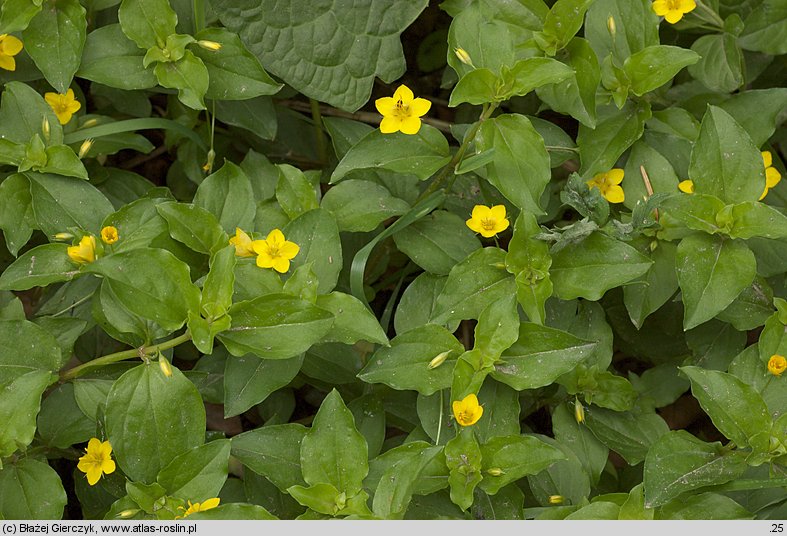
{"x": 579, "y": 411}
{"x": 164, "y": 365}
{"x": 495, "y": 471}
{"x": 85, "y": 147}
{"x": 611, "y": 26}
{"x": 209, "y": 164}
{"x": 213, "y": 46}
{"x": 125, "y": 514}
{"x": 90, "y": 123}
{"x": 438, "y": 360}
{"x": 63, "y": 236}
{"x": 45, "y": 129}
{"x": 464, "y": 57}
{"x": 555, "y": 499}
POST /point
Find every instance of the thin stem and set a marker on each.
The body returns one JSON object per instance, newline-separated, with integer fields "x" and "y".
{"x": 457, "y": 158}
{"x": 440, "y": 421}
{"x": 75, "y": 304}
{"x": 322, "y": 147}
{"x": 108, "y": 359}
{"x": 649, "y": 188}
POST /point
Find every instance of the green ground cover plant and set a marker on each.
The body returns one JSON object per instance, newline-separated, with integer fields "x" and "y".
{"x": 473, "y": 259}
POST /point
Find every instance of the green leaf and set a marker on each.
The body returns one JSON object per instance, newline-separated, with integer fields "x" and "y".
{"x": 38, "y": 267}
{"x": 257, "y": 115}
{"x": 138, "y": 223}
{"x": 194, "y": 226}
{"x": 600, "y": 148}
{"x": 532, "y": 73}
{"x": 576, "y": 96}
{"x": 472, "y": 285}
{"x": 16, "y": 212}
{"x": 417, "y": 302}
{"x": 706, "y": 506}
{"x": 752, "y": 219}
{"x": 636, "y": 27}
{"x": 234, "y": 512}
{"x": 479, "y": 86}
{"x": 275, "y": 326}
{"x": 188, "y": 75}
{"x": 724, "y": 161}
{"x": 227, "y": 193}
{"x": 654, "y": 66}
{"x": 352, "y": 320}
{"x": 273, "y": 452}
{"x": 765, "y": 29}
{"x": 109, "y": 58}
{"x": 219, "y": 284}
{"x": 696, "y": 211}
{"x": 520, "y": 167}
{"x": 317, "y": 234}
{"x": 294, "y": 191}
{"x": 322, "y": 498}
{"x": 62, "y": 160}
{"x": 147, "y": 22}
{"x": 679, "y": 462}
{"x": 405, "y": 363}
{"x": 655, "y": 287}
{"x": 15, "y": 15}
{"x": 591, "y": 267}
{"x": 151, "y": 283}
{"x": 21, "y": 115}
{"x": 400, "y": 478}
{"x": 720, "y": 67}
{"x": 235, "y": 74}
{"x": 55, "y": 38}
{"x": 333, "y": 451}
{"x": 151, "y": 419}
{"x": 31, "y": 489}
{"x": 197, "y": 474}
{"x": 736, "y": 409}
{"x": 249, "y": 380}
{"x": 60, "y": 203}
{"x": 529, "y": 259}
{"x": 517, "y": 456}
{"x": 60, "y": 422}
{"x": 591, "y": 452}
{"x": 712, "y": 271}
{"x": 631, "y": 433}
{"x": 421, "y": 154}
{"x": 563, "y": 21}
{"x": 361, "y": 205}
{"x": 757, "y": 111}
{"x": 463, "y": 458}
{"x": 364, "y": 45}
{"x": 437, "y": 242}
{"x": 540, "y": 356}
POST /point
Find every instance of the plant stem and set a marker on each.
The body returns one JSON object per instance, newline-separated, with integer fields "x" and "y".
{"x": 322, "y": 148}
{"x": 460, "y": 153}
{"x": 714, "y": 19}
{"x": 108, "y": 359}
{"x": 440, "y": 420}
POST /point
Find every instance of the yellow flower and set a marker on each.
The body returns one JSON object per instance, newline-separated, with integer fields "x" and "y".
{"x": 673, "y": 10}
{"x": 402, "y": 111}
{"x": 10, "y": 46}
{"x": 686, "y": 186}
{"x": 199, "y": 507}
{"x": 97, "y": 460}
{"x": 777, "y": 364}
{"x": 609, "y": 184}
{"x": 467, "y": 411}
{"x": 772, "y": 175}
{"x": 488, "y": 220}
{"x": 275, "y": 252}
{"x": 109, "y": 234}
{"x": 242, "y": 243}
{"x": 64, "y": 105}
{"x": 85, "y": 252}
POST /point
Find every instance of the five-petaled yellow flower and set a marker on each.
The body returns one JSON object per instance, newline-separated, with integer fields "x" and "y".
{"x": 242, "y": 243}
{"x": 673, "y": 10}
{"x": 777, "y": 364}
{"x": 85, "y": 252}
{"x": 64, "y": 106}
{"x": 109, "y": 234}
{"x": 772, "y": 175}
{"x": 686, "y": 186}
{"x": 275, "y": 252}
{"x": 488, "y": 220}
{"x": 97, "y": 460}
{"x": 609, "y": 184}
{"x": 10, "y": 46}
{"x": 402, "y": 111}
{"x": 199, "y": 507}
{"x": 467, "y": 411}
